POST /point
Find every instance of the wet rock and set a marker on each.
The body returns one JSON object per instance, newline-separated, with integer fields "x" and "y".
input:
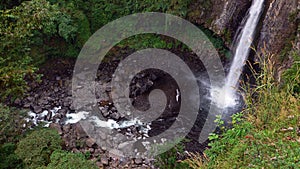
{"x": 115, "y": 116}
{"x": 231, "y": 16}
{"x": 48, "y": 116}
{"x": 105, "y": 111}
{"x": 63, "y": 111}
{"x": 221, "y": 16}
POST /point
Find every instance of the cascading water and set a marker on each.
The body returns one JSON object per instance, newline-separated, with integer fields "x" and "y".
{"x": 226, "y": 96}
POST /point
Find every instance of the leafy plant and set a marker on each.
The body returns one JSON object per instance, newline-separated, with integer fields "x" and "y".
{"x": 18, "y": 28}
{"x": 36, "y": 148}
{"x": 11, "y": 124}
{"x": 63, "y": 159}
{"x": 170, "y": 159}
{"x": 8, "y": 159}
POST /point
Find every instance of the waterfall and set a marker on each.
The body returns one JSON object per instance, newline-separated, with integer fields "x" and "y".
{"x": 226, "y": 96}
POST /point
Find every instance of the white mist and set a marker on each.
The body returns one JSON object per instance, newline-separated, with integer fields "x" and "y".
{"x": 226, "y": 96}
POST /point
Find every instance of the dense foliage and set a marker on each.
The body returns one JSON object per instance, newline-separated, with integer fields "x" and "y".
{"x": 11, "y": 124}
{"x": 36, "y": 148}
{"x": 32, "y": 31}
{"x": 22, "y": 30}
{"x": 8, "y": 158}
{"x": 266, "y": 134}
{"x": 63, "y": 159}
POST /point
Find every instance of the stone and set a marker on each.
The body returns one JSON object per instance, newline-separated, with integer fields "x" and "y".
{"x": 138, "y": 161}
{"x": 63, "y": 111}
{"x": 90, "y": 142}
{"x": 105, "y": 111}
{"x": 116, "y": 154}
{"x": 36, "y": 109}
{"x": 115, "y": 115}
{"x": 48, "y": 116}
{"x": 17, "y": 101}
{"x": 67, "y": 128}
{"x": 75, "y": 150}
{"x": 27, "y": 105}
{"x": 79, "y": 131}
{"x": 104, "y": 160}
{"x": 99, "y": 164}
{"x": 56, "y": 127}
{"x": 91, "y": 150}
{"x": 30, "y": 99}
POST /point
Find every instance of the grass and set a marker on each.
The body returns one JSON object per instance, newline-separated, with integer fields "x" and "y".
{"x": 268, "y": 133}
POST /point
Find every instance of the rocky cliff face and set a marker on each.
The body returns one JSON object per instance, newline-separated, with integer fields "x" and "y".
{"x": 279, "y": 26}
{"x": 221, "y": 16}
{"x": 280, "y": 32}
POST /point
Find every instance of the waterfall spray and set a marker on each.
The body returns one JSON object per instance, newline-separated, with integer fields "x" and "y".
{"x": 226, "y": 96}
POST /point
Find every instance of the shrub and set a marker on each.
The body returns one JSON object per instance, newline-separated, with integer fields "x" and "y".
{"x": 36, "y": 148}
{"x": 171, "y": 159}
{"x": 24, "y": 31}
{"x": 18, "y": 27}
{"x": 8, "y": 159}
{"x": 63, "y": 159}
{"x": 11, "y": 124}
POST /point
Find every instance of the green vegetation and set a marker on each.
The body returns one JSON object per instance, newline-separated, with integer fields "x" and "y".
{"x": 291, "y": 76}
{"x": 33, "y": 31}
{"x": 40, "y": 148}
{"x": 22, "y": 29}
{"x": 8, "y": 158}
{"x": 11, "y": 124}
{"x": 62, "y": 159}
{"x": 171, "y": 158}
{"x": 36, "y": 148}
{"x": 266, "y": 134}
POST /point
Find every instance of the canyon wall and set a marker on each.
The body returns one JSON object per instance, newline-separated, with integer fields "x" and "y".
{"x": 221, "y": 16}
{"x": 280, "y": 26}
{"x": 278, "y": 32}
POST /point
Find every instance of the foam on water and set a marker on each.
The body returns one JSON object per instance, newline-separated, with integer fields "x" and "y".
{"x": 223, "y": 97}
{"x": 110, "y": 123}
{"x": 76, "y": 117}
